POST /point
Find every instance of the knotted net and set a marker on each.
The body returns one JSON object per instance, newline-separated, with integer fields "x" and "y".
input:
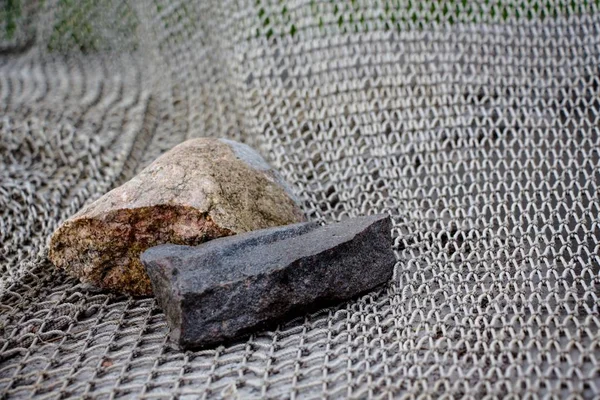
{"x": 475, "y": 125}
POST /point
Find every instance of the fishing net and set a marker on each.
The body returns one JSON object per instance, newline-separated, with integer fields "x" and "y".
{"x": 475, "y": 125}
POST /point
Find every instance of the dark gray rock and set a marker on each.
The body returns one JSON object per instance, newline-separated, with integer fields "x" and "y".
{"x": 232, "y": 286}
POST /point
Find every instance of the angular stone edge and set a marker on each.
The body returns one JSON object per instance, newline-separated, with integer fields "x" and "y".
{"x": 162, "y": 284}
{"x": 190, "y": 340}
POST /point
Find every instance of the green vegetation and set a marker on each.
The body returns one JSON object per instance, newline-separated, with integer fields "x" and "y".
{"x": 77, "y": 22}
{"x": 73, "y": 28}
{"x": 10, "y": 14}
{"x": 76, "y": 26}
{"x": 351, "y": 16}
{"x": 182, "y": 16}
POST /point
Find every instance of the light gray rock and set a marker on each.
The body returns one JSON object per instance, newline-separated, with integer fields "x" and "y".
{"x": 232, "y": 286}
{"x": 199, "y": 190}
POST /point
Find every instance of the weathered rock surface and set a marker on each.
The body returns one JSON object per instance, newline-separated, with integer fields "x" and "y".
{"x": 232, "y": 286}
{"x": 199, "y": 190}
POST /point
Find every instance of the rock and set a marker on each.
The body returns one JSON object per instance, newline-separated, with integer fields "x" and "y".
{"x": 232, "y": 286}
{"x": 199, "y": 190}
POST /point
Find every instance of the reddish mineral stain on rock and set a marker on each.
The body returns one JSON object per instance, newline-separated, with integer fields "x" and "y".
{"x": 200, "y": 190}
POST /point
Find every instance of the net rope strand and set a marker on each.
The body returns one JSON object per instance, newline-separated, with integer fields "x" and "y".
{"x": 475, "y": 125}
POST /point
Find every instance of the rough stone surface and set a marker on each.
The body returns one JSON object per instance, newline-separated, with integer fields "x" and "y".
{"x": 199, "y": 190}
{"x": 232, "y": 286}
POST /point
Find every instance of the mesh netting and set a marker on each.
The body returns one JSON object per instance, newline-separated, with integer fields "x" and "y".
{"x": 475, "y": 125}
